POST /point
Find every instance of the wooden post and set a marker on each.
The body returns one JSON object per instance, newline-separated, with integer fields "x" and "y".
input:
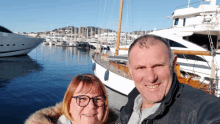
{"x": 190, "y": 52}
{"x": 119, "y": 28}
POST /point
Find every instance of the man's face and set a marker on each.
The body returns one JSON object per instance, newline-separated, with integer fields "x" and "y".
{"x": 151, "y": 72}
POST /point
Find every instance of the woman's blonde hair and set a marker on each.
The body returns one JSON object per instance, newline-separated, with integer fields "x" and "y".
{"x": 89, "y": 81}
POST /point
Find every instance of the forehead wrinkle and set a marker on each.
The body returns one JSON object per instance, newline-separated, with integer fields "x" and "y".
{"x": 147, "y": 43}
{"x": 141, "y": 54}
{"x": 152, "y": 64}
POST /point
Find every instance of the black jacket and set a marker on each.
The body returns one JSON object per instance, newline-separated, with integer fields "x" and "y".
{"x": 182, "y": 105}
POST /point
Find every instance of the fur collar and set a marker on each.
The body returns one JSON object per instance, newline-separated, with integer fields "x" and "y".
{"x": 50, "y": 115}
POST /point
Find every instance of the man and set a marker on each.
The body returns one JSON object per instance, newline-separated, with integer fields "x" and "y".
{"x": 158, "y": 97}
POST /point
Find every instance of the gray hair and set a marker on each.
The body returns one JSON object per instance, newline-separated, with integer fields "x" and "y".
{"x": 150, "y": 40}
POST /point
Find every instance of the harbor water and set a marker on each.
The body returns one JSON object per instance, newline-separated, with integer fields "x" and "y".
{"x": 40, "y": 79}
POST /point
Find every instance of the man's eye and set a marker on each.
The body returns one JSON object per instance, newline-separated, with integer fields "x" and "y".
{"x": 140, "y": 67}
{"x": 157, "y": 66}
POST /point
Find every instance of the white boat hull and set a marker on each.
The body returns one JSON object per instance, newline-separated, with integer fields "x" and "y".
{"x": 115, "y": 82}
{"x": 15, "y": 44}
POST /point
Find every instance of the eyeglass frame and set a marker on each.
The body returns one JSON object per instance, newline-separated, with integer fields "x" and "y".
{"x": 93, "y": 99}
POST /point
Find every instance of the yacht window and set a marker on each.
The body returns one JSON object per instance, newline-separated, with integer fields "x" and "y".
{"x": 202, "y": 40}
{"x": 13, "y": 44}
{"x": 7, "y": 44}
{"x": 175, "y": 44}
{"x": 1, "y": 44}
{"x": 2, "y": 29}
{"x": 184, "y": 21}
{"x": 176, "y": 21}
{"x": 191, "y": 57}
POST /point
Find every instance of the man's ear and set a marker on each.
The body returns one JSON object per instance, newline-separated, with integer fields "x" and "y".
{"x": 129, "y": 68}
{"x": 174, "y": 62}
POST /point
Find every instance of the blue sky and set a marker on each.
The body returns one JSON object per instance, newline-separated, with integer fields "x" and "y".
{"x": 44, "y": 15}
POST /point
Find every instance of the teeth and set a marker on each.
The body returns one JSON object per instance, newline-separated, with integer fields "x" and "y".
{"x": 89, "y": 115}
{"x": 154, "y": 86}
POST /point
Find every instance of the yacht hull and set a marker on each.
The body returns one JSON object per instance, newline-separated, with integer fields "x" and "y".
{"x": 15, "y": 44}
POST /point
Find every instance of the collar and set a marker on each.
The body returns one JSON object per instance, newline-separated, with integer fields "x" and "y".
{"x": 173, "y": 90}
{"x": 137, "y": 103}
{"x": 165, "y": 102}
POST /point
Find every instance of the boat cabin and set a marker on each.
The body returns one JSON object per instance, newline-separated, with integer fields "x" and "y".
{"x": 202, "y": 22}
{"x": 190, "y": 16}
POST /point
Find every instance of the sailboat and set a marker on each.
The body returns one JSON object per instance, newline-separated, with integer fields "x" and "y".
{"x": 194, "y": 37}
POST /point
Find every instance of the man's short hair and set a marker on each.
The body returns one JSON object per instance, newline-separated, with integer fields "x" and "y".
{"x": 150, "y": 40}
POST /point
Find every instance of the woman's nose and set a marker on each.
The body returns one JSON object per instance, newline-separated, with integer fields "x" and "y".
{"x": 91, "y": 104}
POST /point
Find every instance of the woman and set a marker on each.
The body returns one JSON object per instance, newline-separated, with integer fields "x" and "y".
{"x": 85, "y": 101}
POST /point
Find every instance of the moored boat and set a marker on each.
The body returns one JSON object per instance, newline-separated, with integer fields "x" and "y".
{"x": 197, "y": 70}
{"x": 12, "y": 44}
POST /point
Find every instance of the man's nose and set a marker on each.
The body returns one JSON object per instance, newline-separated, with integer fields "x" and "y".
{"x": 150, "y": 76}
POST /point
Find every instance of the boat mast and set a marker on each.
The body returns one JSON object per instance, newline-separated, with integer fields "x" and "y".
{"x": 87, "y": 33}
{"x": 71, "y": 33}
{"x": 188, "y": 3}
{"x": 119, "y": 28}
{"x": 91, "y": 33}
{"x": 75, "y": 34}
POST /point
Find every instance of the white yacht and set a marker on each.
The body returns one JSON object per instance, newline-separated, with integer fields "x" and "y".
{"x": 12, "y": 44}
{"x": 193, "y": 29}
{"x": 51, "y": 43}
{"x": 72, "y": 44}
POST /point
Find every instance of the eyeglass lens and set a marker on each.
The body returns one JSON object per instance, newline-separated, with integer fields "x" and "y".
{"x": 84, "y": 100}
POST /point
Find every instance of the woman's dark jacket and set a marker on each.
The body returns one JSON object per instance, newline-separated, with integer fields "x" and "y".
{"x": 182, "y": 105}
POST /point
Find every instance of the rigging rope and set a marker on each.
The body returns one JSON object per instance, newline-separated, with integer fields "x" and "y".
{"x": 111, "y": 13}
{"x": 127, "y": 14}
{"x": 98, "y": 24}
{"x": 210, "y": 41}
{"x": 104, "y": 12}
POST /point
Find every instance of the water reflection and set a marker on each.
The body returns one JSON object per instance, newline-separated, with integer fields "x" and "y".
{"x": 66, "y": 55}
{"x": 12, "y": 67}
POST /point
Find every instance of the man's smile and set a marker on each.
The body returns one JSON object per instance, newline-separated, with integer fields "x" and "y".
{"x": 152, "y": 86}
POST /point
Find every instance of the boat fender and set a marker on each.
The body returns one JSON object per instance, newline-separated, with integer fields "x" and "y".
{"x": 106, "y": 75}
{"x": 93, "y": 66}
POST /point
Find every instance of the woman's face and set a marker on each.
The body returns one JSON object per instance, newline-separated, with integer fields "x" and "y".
{"x": 89, "y": 114}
